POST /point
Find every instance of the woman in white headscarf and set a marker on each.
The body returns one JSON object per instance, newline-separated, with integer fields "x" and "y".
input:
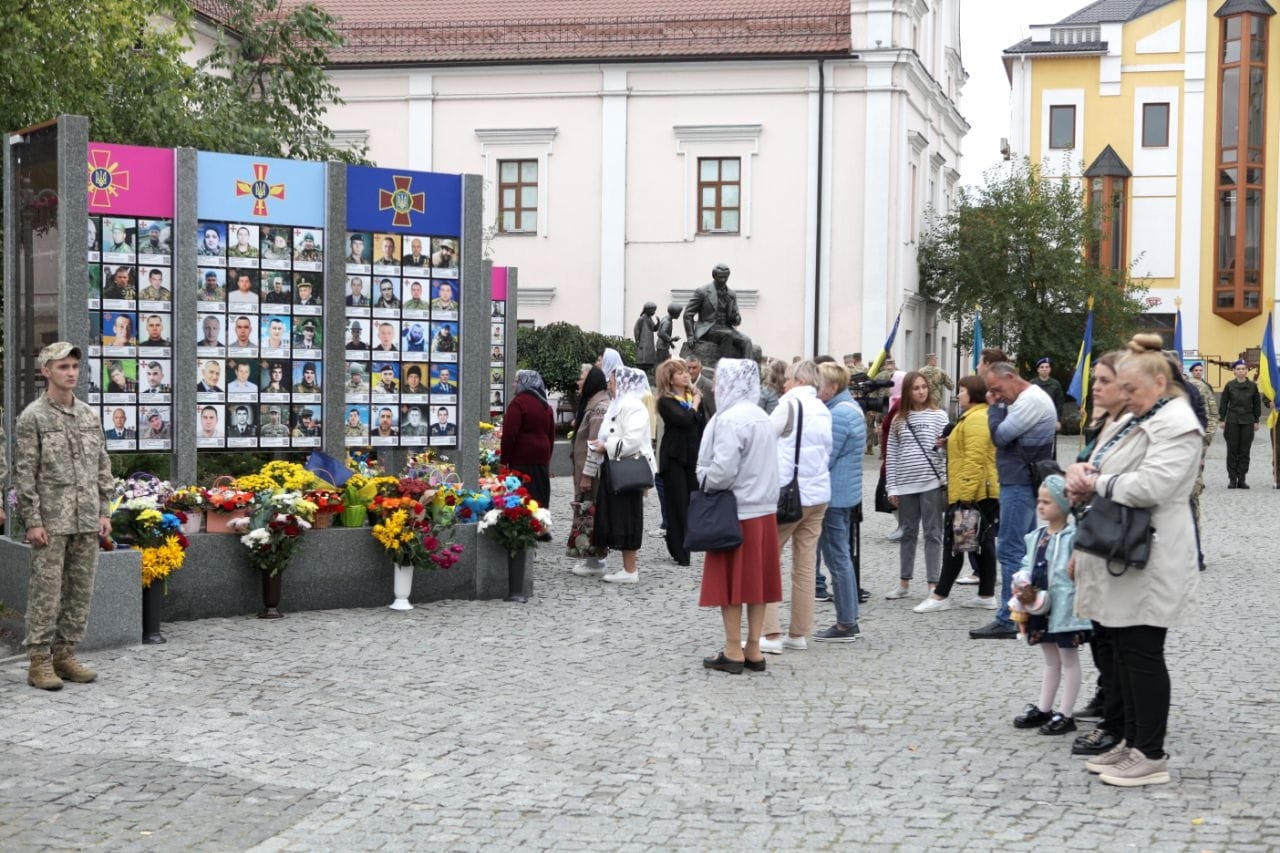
{"x": 739, "y": 452}
{"x": 619, "y": 523}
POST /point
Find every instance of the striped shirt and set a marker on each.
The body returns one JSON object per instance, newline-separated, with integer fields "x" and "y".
{"x": 912, "y": 466}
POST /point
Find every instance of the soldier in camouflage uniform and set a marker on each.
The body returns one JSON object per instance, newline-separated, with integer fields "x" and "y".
{"x": 274, "y": 428}
{"x": 937, "y": 378}
{"x": 1211, "y": 429}
{"x": 64, "y": 483}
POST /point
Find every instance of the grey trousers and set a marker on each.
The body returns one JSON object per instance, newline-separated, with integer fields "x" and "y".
{"x": 923, "y": 510}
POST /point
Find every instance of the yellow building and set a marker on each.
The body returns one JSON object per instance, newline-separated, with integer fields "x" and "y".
{"x": 1163, "y": 109}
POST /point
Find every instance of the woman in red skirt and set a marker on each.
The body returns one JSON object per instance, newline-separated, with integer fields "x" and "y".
{"x": 738, "y": 452}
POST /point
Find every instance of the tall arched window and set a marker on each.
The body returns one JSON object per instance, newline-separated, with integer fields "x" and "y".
{"x": 1241, "y": 153}
{"x": 1108, "y": 191}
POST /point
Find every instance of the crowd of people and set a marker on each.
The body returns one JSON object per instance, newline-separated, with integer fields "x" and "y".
{"x": 981, "y": 489}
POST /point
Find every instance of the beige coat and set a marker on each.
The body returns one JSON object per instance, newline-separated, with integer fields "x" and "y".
{"x": 1153, "y": 466}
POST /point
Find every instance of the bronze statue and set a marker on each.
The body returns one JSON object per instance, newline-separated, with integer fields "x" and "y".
{"x": 646, "y": 349}
{"x": 711, "y": 317}
{"x": 665, "y": 327}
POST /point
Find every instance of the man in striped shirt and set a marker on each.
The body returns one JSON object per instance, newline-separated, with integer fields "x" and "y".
{"x": 1023, "y": 422}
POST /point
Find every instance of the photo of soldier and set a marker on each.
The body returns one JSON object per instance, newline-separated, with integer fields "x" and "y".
{"x": 275, "y": 334}
{"x": 119, "y": 283}
{"x": 94, "y": 247}
{"x": 443, "y": 300}
{"x": 387, "y": 300}
{"x": 388, "y": 250}
{"x": 384, "y": 428}
{"x": 118, "y": 426}
{"x": 414, "y": 257}
{"x": 307, "y": 335}
{"x": 413, "y": 425}
{"x": 307, "y": 423}
{"x": 119, "y": 237}
{"x": 387, "y": 380}
{"x": 120, "y": 377}
{"x": 95, "y": 284}
{"x": 385, "y": 347}
{"x": 442, "y": 379}
{"x": 444, "y": 257}
{"x": 244, "y": 295}
{"x": 155, "y": 425}
{"x": 414, "y": 337}
{"x": 95, "y": 376}
{"x": 156, "y": 245}
{"x": 444, "y": 423}
{"x": 356, "y": 342}
{"x": 355, "y": 429}
{"x": 276, "y": 375}
{"x": 210, "y": 333}
{"x": 275, "y": 246}
{"x": 118, "y": 330}
{"x": 157, "y": 332}
{"x": 444, "y": 338}
{"x": 357, "y": 248}
{"x": 243, "y": 377}
{"x": 357, "y": 384}
{"x": 157, "y": 287}
{"x": 276, "y": 289}
{"x": 306, "y": 378}
{"x": 305, "y": 293}
{"x": 240, "y": 425}
{"x": 155, "y": 383}
{"x": 244, "y": 340}
{"x": 212, "y": 287}
{"x": 210, "y": 382}
{"x": 414, "y": 300}
{"x": 413, "y": 385}
{"x": 356, "y": 295}
{"x": 307, "y": 242}
{"x": 211, "y": 240}
{"x": 273, "y": 425}
{"x": 209, "y": 424}
{"x": 242, "y": 243}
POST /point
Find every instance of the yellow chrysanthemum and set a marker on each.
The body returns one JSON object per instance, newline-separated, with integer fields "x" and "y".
{"x": 158, "y": 562}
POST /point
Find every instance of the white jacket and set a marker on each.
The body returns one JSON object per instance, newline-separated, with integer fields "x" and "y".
{"x": 737, "y": 452}
{"x": 626, "y": 432}
{"x": 815, "y": 444}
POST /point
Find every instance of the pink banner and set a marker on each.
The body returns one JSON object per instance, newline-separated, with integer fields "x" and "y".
{"x": 499, "y": 284}
{"x": 129, "y": 180}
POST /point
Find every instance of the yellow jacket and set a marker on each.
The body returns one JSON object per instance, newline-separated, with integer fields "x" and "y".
{"x": 971, "y": 459}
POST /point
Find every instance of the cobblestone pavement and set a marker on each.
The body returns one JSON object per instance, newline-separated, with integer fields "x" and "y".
{"x": 584, "y": 721}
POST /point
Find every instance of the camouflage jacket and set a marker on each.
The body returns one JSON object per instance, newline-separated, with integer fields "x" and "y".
{"x": 61, "y": 470}
{"x": 1210, "y": 407}
{"x": 937, "y": 378}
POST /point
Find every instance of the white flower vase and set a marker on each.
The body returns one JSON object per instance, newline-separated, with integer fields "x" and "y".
{"x": 403, "y": 586}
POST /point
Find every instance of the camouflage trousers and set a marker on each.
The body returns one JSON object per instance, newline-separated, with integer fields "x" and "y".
{"x": 59, "y": 592}
{"x": 1198, "y": 488}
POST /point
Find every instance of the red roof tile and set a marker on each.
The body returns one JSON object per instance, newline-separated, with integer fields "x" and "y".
{"x": 463, "y": 31}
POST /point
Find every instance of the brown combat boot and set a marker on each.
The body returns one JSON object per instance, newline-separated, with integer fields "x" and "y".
{"x": 66, "y": 665}
{"x": 41, "y": 675}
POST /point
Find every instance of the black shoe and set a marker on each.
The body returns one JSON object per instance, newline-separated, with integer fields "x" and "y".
{"x": 1031, "y": 718}
{"x": 1058, "y": 725}
{"x": 994, "y": 631}
{"x": 722, "y": 663}
{"x": 823, "y": 596}
{"x": 1095, "y": 742}
{"x": 863, "y": 596}
{"x": 1242, "y": 485}
{"x": 1092, "y": 711}
{"x": 754, "y": 665}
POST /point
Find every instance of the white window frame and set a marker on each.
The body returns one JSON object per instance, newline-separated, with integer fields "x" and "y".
{"x": 517, "y": 143}
{"x": 716, "y": 141}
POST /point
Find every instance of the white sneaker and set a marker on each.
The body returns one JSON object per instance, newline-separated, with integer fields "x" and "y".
{"x": 798, "y": 643}
{"x": 771, "y": 647}
{"x": 981, "y": 603}
{"x": 931, "y": 604}
{"x": 898, "y": 592}
{"x": 967, "y": 579}
{"x": 586, "y": 570}
{"x": 658, "y": 534}
{"x": 622, "y": 576}
{"x": 894, "y": 536}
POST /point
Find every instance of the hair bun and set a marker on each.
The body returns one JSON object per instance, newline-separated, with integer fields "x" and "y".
{"x": 1146, "y": 342}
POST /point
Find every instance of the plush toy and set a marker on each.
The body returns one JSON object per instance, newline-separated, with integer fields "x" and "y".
{"x": 1026, "y": 601}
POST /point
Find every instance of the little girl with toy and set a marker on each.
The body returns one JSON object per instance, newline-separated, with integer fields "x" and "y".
{"x": 1045, "y": 599}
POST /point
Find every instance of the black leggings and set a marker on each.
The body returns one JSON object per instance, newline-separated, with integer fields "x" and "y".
{"x": 677, "y": 482}
{"x": 1137, "y": 653}
{"x": 952, "y": 563}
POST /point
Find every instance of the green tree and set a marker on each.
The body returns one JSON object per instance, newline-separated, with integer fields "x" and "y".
{"x": 1014, "y": 249}
{"x": 558, "y": 351}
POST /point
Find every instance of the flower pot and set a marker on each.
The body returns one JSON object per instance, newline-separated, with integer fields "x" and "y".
{"x": 354, "y": 516}
{"x": 194, "y": 523}
{"x": 323, "y": 520}
{"x": 403, "y": 586}
{"x": 216, "y": 522}
{"x": 152, "y": 609}
{"x": 516, "y": 566}
{"x": 271, "y": 595}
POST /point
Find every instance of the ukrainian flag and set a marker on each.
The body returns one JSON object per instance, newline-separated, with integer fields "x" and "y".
{"x": 1268, "y": 380}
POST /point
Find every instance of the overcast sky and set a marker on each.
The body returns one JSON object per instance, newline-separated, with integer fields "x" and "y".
{"x": 987, "y": 27}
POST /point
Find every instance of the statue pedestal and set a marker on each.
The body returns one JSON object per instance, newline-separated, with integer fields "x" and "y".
{"x": 705, "y": 351}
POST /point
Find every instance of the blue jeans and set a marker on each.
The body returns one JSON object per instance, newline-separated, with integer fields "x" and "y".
{"x": 834, "y": 546}
{"x": 1017, "y": 519}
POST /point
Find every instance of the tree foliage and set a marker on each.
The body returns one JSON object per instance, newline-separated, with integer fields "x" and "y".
{"x": 558, "y": 351}
{"x": 123, "y": 63}
{"x": 1013, "y": 249}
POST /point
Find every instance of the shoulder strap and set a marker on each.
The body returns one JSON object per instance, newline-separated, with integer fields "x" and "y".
{"x": 799, "y": 432}
{"x": 920, "y": 444}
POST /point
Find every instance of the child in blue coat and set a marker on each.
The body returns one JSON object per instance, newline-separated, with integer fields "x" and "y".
{"x": 1058, "y": 632}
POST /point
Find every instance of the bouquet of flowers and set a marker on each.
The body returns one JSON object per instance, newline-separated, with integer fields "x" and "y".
{"x": 224, "y": 497}
{"x": 327, "y": 501}
{"x": 490, "y": 443}
{"x": 274, "y": 529}
{"x": 187, "y": 499}
{"x": 515, "y": 520}
{"x": 382, "y": 506}
{"x": 139, "y": 517}
{"x": 412, "y": 542}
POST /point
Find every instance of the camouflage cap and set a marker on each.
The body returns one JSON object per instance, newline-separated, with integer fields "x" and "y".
{"x": 57, "y": 351}
{"x": 274, "y": 410}
{"x": 152, "y": 413}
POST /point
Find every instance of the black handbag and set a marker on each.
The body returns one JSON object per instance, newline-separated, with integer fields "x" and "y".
{"x": 789, "y": 509}
{"x": 713, "y": 521}
{"x": 883, "y": 504}
{"x": 629, "y": 474}
{"x": 1122, "y": 534}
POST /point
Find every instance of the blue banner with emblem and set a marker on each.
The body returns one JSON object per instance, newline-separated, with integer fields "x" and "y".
{"x": 403, "y": 201}
{"x": 236, "y": 188}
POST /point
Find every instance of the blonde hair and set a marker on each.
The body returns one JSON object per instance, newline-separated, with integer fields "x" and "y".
{"x": 1145, "y": 354}
{"x": 665, "y": 375}
{"x": 804, "y": 372}
{"x": 775, "y": 372}
{"x": 833, "y": 374}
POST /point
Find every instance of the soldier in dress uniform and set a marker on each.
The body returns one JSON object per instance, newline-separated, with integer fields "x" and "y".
{"x": 63, "y": 479}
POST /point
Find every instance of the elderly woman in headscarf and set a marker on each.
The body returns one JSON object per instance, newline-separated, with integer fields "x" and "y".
{"x": 619, "y": 523}
{"x": 529, "y": 434}
{"x": 593, "y": 402}
{"x": 739, "y": 452}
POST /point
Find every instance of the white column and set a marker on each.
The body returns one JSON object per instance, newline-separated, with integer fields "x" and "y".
{"x": 421, "y": 120}
{"x": 877, "y": 209}
{"x": 613, "y": 201}
{"x": 1191, "y": 173}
